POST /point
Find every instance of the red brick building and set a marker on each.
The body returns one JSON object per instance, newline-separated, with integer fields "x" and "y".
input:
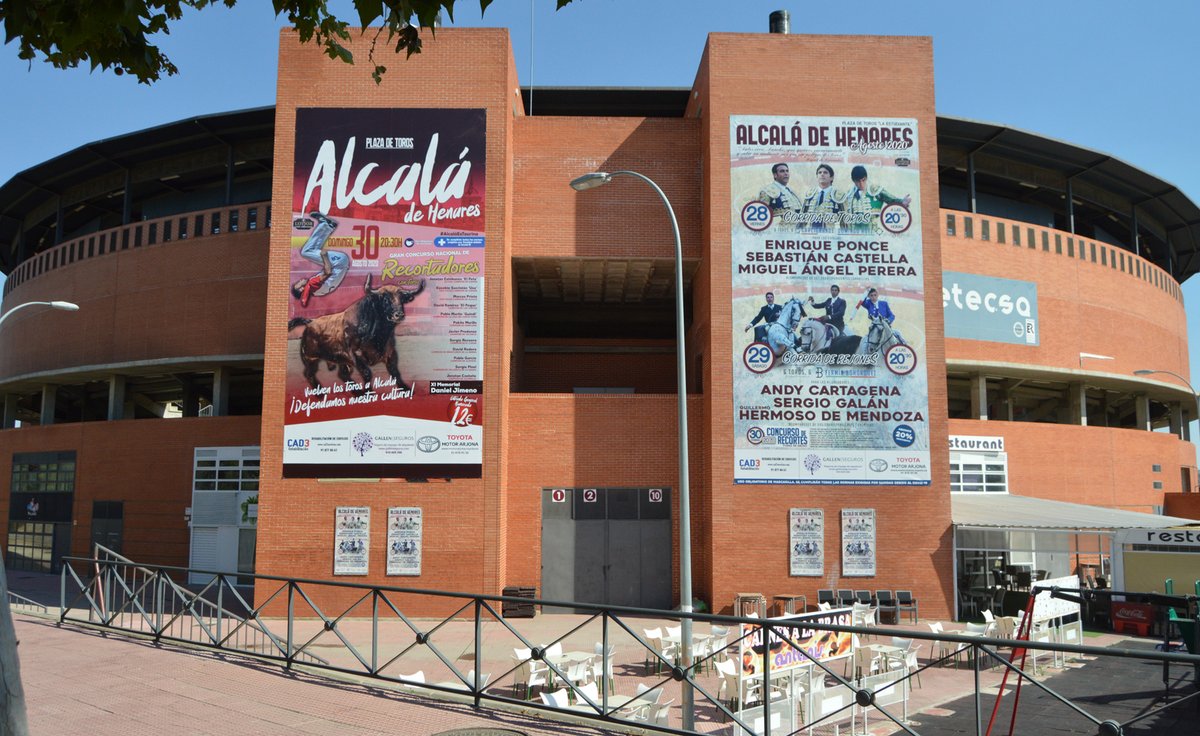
{"x": 154, "y": 417}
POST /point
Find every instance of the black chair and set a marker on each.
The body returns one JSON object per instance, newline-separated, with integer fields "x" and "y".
{"x": 863, "y": 596}
{"x": 906, "y": 602}
{"x": 826, "y": 596}
{"x": 846, "y": 596}
{"x": 887, "y": 605}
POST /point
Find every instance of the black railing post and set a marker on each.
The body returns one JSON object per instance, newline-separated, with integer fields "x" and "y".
{"x": 375, "y": 631}
{"x": 766, "y": 683}
{"x": 158, "y": 605}
{"x": 975, "y": 652}
{"x": 476, "y": 687}
{"x": 291, "y": 618}
{"x": 220, "y": 606}
{"x": 604, "y": 663}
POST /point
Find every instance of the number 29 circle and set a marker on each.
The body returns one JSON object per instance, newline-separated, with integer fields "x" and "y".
{"x": 758, "y": 357}
{"x": 757, "y": 216}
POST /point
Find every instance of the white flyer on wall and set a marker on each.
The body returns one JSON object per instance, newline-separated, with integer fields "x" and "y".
{"x": 404, "y": 541}
{"x": 858, "y": 542}
{"x": 351, "y": 540}
{"x": 807, "y": 540}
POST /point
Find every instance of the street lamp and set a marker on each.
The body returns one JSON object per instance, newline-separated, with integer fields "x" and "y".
{"x": 65, "y": 306}
{"x": 590, "y": 181}
{"x": 12, "y": 702}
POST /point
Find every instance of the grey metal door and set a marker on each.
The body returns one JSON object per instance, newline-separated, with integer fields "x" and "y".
{"x": 108, "y": 523}
{"x": 608, "y": 546}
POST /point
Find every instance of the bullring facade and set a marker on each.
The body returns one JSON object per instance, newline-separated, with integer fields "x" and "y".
{"x": 156, "y": 419}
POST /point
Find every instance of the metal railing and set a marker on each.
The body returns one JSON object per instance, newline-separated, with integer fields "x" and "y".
{"x": 26, "y": 605}
{"x": 795, "y": 675}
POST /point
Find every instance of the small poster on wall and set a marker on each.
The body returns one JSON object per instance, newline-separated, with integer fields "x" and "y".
{"x": 404, "y": 541}
{"x": 807, "y": 540}
{"x": 351, "y": 540}
{"x": 858, "y": 542}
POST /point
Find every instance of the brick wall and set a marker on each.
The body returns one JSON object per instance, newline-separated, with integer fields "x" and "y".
{"x": 195, "y": 297}
{"x": 746, "y": 535}
{"x": 147, "y": 463}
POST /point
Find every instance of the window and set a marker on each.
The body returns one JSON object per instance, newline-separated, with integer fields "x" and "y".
{"x": 216, "y": 223}
{"x": 252, "y": 218}
{"x": 199, "y": 228}
{"x": 950, "y": 225}
{"x": 183, "y": 231}
{"x": 166, "y": 231}
{"x": 968, "y": 227}
{"x": 1071, "y": 248}
{"x": 233, "y": 221}
{"x": 1156, "y": 468}
{"x": 985, "y": 230}
{"x": 978, "y": 473}
{"x": 1057, "y": 244}
{"x": 1016, "y": 235}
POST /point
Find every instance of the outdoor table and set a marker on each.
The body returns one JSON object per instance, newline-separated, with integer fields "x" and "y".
{"x": 753, "y": 601}
{"x": 890, "y": 653}
{"x": 786, "y": 603}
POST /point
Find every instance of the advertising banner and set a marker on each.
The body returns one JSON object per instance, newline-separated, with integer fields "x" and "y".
{"x": 858, "y": 543}
{"x": 385, "y": 331}
{"x": 830, "y": 376}
{"x": 820, "y": 645}
{"x": 404, "y": 541}
{"x": 351, "y": 540}
{"x": 807, "y": 539}
{"x": 990, "y": 308}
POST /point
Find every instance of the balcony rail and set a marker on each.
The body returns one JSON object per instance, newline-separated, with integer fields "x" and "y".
{"x": 141, "y": 234}
{"x": 1018, "y": 234}
{"x": 746, "y": 674}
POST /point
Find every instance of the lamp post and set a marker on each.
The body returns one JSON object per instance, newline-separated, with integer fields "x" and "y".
{"x": 12, "y": 700}
{"x": 590, "y": 181}
{"x": 1186, "y": 382}
{"x": 65, "y": 306}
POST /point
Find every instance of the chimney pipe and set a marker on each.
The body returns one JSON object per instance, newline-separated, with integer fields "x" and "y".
{"x": 781, "y": 22}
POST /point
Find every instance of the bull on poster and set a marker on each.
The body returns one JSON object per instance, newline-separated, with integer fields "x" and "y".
{"x": 385, "y": 331}
{"x": 351, "y": 540}
{"x": 404, "y": 541}
{"x": 830, "y": 376}
{"x": 806, "y": 535}
{"x": 811, "y": 644}
{"x": 858, "y": 542}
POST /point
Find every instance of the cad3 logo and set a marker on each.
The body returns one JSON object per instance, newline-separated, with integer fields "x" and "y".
{"x": 297, "y": 444}
{"x": 749, "y": 464}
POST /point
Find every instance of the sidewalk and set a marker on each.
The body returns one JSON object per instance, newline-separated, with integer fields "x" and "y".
{"x": 79, "y": 681}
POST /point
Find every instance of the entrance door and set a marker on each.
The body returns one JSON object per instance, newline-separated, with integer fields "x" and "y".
{"x": 610, "y": 546}
{"x": 108, "y": 522}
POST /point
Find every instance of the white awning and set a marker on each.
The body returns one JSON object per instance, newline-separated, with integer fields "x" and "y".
{"x": 1004, "y": 511}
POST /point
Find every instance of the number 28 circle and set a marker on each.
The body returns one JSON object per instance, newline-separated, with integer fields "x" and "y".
{"x": 758, "y": 357}
{"x": 757, "y": 216}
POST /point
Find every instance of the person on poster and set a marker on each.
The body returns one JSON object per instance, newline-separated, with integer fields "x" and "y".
{"x": 862, "y": 204}
{"x": 877, "y": 307}
{"x": 835, "y": 309}
{"x": 823, "y": 204}
{"x": 32, "y": 508}
{"x": 767, "y": 314}
{"x": 777, "y": 195}
{"x": 334, "y": 264}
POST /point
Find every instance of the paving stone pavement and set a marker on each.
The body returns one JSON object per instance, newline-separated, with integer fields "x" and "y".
{"x": 78, "y": 681}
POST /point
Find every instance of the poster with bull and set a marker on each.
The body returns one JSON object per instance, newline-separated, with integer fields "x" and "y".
{"x": 830, "y": 377}
{"x": 385, "y": 331}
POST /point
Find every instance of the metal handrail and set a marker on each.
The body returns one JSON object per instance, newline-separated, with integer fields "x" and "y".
{"x": 16, "y": 599}
{"x": 142, "y": 607}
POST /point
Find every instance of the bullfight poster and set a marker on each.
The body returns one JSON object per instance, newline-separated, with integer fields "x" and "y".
{"x": 351, "y": 540}
{"x": 404, "y": 541}
{"x": 806, "y": 537}
{"x": 858, "y": 543}
{"x": 830, "y": 380}
{"x": 385, "y": 331}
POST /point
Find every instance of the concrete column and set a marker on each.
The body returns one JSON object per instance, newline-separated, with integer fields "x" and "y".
{"x": 49, "y": 399}
{"x": 1143, "y": 411}
{"x": 1077, "y": 401}
{"x": 10, "y": 411}
{"x": 979, "y": 396}
{"x": 1176, "y": 413}
{"x": 191, "y": 398}
{"x": 220, "y": 396}
{"x": 116, "y": 397}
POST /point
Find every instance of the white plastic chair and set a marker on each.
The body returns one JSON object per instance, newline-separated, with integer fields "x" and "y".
{"x": 602, "y": 665}
{"x": 557, "y": 699}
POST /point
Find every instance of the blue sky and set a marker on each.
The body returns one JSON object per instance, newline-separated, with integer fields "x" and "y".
{"x": 1112, "y": 76}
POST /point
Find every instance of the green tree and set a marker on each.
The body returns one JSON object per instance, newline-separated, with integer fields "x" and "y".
{"x": 119, "y": 34}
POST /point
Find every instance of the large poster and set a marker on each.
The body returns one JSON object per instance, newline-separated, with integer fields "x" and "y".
{"x": 807, "y": 540}
{"x": 404, "y": 541}
{"x": 385, "y": 336}
{"x": 352, "y": 540}
{"x": 812, "y": 644}
{"x": 858, "y": 543}
{"x": 830, "y": 381}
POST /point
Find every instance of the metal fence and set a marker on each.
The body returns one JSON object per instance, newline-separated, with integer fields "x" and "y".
{"x": 624, "y": 666}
